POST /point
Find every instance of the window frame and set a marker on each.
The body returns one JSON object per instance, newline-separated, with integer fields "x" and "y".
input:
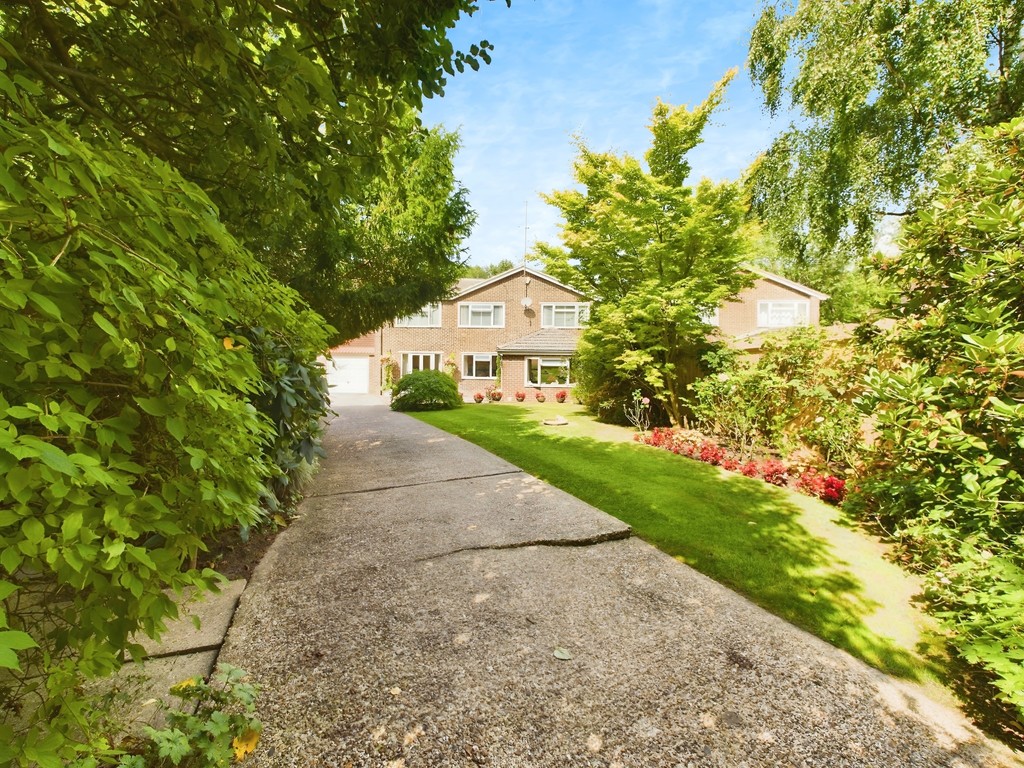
{"x": 475, "y": 355}
{"x": 581, "y": 310}
{"x": 563, "y": 362}
{"x": 427, "y": 311}
{"x": 403, "y": 356}
{"x": 764, "y": 309}
{"x": 469, "y": 305}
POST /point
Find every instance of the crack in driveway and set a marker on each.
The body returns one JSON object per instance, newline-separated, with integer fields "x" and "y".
{"x": 586, "y": 541}
{"x": 414, "y": 485}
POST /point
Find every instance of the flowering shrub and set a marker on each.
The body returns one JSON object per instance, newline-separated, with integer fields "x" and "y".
{"x": 731, "y": 464}
{"x": 540, "y": 396}
{"x": 710, "y": 453}
{"x": 520, "y": 396}
{"x": 638, "y": 412}
{"x": 560, "y": 395}
{"x": 834, "y": 491}
{"x": 750, "y": 469}
{"x": 774, "y": 472}
{"x": 811, "y": 482}
{"x": 478, "y": 397}
{"x": 828, "y": 488}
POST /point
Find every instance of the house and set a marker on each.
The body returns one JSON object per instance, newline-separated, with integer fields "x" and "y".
{"x": 771, "y": 303}
{"x": 518, "y": 330}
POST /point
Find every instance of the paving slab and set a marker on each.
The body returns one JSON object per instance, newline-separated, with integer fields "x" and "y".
{"x": 423, "y": 626}
{"x": 213, "y": 612}
{"x": 137, "y": 689}
{"x": 372, "y": 447}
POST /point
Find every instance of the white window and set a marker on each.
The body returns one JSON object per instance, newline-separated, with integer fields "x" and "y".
{"x": 420, "y": 361}
{"x": 564, "y": 315}
{"x": 428, "y": 317}
{"x": 479, "y": 366}
{"x": 548, "y": 371}
{"x": 481, "y": 315}
{"x": 710, "y": 317}
{"x": 782, "y": 314}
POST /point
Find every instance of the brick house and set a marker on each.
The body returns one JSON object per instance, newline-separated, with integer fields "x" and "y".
{"x": 516, "y": 330}
{"x": 519, "y": 329}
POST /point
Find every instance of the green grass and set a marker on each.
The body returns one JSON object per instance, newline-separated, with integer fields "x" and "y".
{"x": 787, "y": 552}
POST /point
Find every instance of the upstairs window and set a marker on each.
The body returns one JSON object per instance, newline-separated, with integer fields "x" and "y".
{"x": 479, "y": 366}
{"x": 564, "y": 315}
{"x": 783, "y": 314}
{"x": 473, "y": 315}
{"x": 428, "y": 317}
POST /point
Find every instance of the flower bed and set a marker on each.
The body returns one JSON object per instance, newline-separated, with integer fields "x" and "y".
{"x": 694, "y": 445}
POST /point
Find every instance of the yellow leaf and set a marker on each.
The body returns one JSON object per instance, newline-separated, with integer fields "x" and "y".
{"x": 245, "y": 744}
{"x": 184, "y": 685}
{"x": 229, "y": 343}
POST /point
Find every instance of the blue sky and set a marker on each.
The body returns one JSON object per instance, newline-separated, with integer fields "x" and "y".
{"x": 593, "y": 68}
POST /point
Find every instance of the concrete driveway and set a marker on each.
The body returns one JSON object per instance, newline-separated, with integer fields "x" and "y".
{"x": 436, "y": 606}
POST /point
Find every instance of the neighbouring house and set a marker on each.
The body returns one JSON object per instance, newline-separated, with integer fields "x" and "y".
{"x": 770, "y": 304}
{"x": 518, "y": 331}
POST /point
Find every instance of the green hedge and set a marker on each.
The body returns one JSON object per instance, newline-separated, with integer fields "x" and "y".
{"x": 142, "y": 409}
{"x": 426, "y": 391}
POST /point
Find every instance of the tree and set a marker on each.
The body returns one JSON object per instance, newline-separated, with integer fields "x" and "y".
{"x": 881, "y": 91}
{"x": 280, "y": 111}
{"x": 655, "y": 254}
{"x": 489, "y": 270}
{"x": 944, "y": 474}
{"x": 398, "y": 245}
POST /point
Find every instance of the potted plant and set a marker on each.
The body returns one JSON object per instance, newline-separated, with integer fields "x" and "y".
{"x": 560, "y": 395}
{"x": 478, "y": 397}
{"x": 495, "y": 395}
{"x": 520, "y": 396}
{"x": 540, "y": 396}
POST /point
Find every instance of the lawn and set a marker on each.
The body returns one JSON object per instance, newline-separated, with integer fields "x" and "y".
{"x": 789, "y": 553}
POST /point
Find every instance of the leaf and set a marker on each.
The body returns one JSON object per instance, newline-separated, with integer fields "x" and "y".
{"x": 562, "y": 654}
{"x": 105, "y": 325}
{"x": 245, "y": 744}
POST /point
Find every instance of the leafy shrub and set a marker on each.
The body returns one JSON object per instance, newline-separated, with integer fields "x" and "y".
{"x": 800, "y": 391}
{"x": 828, "y": 488}
{"x": 426, "y": 391}
{"x": 944, "y": 474}
{"x": 750, "y": 469}
{"x": 129, "y": 426}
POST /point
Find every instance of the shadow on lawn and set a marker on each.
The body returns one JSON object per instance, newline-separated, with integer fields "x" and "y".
{"x": 740, "y": 532}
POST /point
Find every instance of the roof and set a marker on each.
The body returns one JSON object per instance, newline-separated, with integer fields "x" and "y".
{"x": 547, "y": 341}
{"x": 465, "y": 284}
{"x": 472, "y": 285}
{"x": 798, "y": 287}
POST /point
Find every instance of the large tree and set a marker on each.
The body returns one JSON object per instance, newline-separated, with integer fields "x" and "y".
{"x": 879, "y": 91}
{"x": 655, "y": 253}
{"x": 280, "y": 111}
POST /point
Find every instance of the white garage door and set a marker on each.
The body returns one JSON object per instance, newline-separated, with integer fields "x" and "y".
{"x": 350, "y": 375}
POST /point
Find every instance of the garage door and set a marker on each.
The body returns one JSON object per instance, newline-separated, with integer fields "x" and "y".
{"x": 350, "y": 375}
